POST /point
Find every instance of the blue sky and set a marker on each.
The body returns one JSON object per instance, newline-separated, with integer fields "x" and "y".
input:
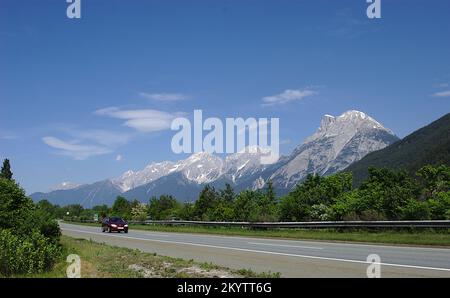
{"x": 72, "y": 92}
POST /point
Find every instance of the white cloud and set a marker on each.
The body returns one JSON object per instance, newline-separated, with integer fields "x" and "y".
{"x": 441, "y": 94}
{"x": 8, "y": 137}
{"x": 103, "y": 137}
{"x": 144, "y": 120}
{"x": 287, "y": 96}
{"x": 168, "y": 97}
{"x": 74, "y": 149}
{"x": 119, "y": 157}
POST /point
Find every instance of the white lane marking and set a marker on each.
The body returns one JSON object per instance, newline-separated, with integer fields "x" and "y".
{"x": 284, "y": 245}
{"x": 153, "y": 234}
{"x": 265, "y": 252}
{"x": 336, "y": 243}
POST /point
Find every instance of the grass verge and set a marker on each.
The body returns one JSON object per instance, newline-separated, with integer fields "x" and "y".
{"x": 101, "y": 260}
{"x": 403, "y": 237}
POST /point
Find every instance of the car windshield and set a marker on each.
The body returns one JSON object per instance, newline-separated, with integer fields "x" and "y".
{"x": 116, "y": 219}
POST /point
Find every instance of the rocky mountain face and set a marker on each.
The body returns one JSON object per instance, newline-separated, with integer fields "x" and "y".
{"x": 337, "y": 143}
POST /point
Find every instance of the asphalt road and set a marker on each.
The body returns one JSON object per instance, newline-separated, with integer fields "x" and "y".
{"x": 292, "y": 258}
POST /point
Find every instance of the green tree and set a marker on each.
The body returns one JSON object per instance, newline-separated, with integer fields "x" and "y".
{"x": 187, "y": 211}
{"x": 387, "y": 191}
{"x": 139, "y": 212}
{"x": 434, "y": 180}
{"x": 48, "y": 207}
{"x": 206, "y": 202}
{"x": 101, "y": 210}
{"x": 314, "y": 191}
{"x": 6, "y": 170}
{"x": 267, "y": 204}
{"x": 227, "y": 194}
{"x": 74, "y": 210}
{"x": 163, "y": 208}
{"x": 246, "y": 206}
{"x": 15, "y": 207}
{"x": 270, "y": 193}
{"x": 121, "y": 207}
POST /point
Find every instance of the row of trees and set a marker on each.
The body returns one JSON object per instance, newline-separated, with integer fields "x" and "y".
{"x": 29, "y": 235}
{"x": 384, "y": 195}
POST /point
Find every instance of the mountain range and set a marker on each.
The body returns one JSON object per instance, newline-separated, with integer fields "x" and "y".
{"x": 337, "y": 143}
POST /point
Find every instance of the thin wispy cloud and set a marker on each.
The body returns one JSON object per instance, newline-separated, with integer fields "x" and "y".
{"x": 119, "y": 157}
{"x": 85, "y": 143}
{"x": 441, "y": 94}
{"x": 142, "y": 120}
{"x": 8, "y": 137}
{"x": 103, "y": 137}
{"x": 75, "y": 149}
{"x": 164, "y": 97}
{"x": 287, "y": 96}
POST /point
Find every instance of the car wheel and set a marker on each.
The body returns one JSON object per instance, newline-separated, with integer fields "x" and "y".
{"x": 126, "y": 232}
{"x": 103, "y": 229}
{"x": 109, "y": 230}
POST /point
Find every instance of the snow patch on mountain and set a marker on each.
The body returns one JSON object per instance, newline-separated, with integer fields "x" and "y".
{"x": 338, "y": 142}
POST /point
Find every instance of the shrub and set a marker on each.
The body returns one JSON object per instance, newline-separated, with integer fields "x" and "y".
{"x": 320, "y": 212}
{"x": 32, "y": 254}
{"x": 415, "y": 209}
{"x": 440, "y": 206}
{"x": 29, "y": 235}
{"x": 46, "y": 224}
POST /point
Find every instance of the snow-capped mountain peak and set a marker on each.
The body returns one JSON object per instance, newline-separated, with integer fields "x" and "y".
{"x": 201, "y": 167}
{"x": 348, "y": 124}
{"x": 131, "y": 179}
{"x": 338, "y": 142}
{"x": 245, "y": 162}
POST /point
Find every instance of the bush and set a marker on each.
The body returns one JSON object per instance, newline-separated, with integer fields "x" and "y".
{"x": 32, "y": 254}
{"x": 440, "y": 206}
{"x": 46, "y": 224}
{"x": 29, "y": 234}
{"x": 415, "y": 209}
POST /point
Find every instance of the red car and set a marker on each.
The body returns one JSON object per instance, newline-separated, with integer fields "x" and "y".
{"x": 110, "y": 224}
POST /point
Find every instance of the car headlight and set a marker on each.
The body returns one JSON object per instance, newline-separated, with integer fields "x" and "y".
{"x": 126, "y": 226}
{"x": 114, "y": 226}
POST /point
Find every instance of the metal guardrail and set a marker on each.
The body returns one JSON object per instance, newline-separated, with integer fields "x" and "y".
{"x": 304, "y": 225}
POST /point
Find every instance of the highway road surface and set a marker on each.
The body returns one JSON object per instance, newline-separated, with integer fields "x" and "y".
{"x": 292, "y": 258}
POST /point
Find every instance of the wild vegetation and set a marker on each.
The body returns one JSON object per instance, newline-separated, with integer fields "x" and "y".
{"x": 385, "y": 195}
{"x": 29, "y": 235}
{"x": 104, "y": 261}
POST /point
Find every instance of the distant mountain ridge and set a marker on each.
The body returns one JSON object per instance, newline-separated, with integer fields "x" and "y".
{"x": 428, "y": 145}
{"x": 338, "y": 142}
